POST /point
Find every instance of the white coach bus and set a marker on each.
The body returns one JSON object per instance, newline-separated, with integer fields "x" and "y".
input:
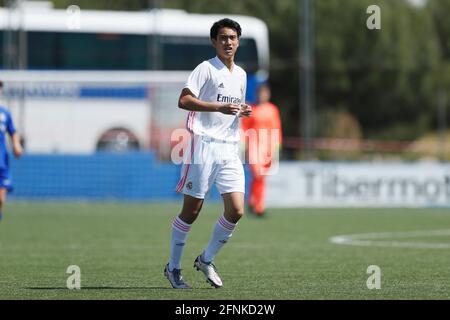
{"x": 111, "y": 79}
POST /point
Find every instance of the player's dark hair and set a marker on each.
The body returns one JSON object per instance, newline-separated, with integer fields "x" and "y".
{"x": 224, "y": 23}
{"x": 263, "y": 85}
{"x": 1, "y": 84}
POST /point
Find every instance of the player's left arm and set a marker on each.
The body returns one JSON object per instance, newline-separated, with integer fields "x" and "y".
{"x": 276, "y": 124}
{"x": 16, "y": 145}
{"x": 246, "y": 110}
{"x": 15, "y": 137}
{"x": 279, "y": 127}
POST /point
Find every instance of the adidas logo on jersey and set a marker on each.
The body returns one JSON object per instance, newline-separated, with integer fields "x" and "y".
{"x": 221, "y": 86}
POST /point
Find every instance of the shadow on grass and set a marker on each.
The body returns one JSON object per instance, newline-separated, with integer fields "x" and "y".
{"x": 110, "y": 288}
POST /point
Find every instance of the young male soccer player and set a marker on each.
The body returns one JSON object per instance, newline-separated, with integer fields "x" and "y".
{"x": 6, "y": 126}
{"x": 215, "y": 96}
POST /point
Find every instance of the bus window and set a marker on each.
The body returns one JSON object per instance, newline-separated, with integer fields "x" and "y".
{"x": 43, "y": 52}
{"x": 2, "y": 66}
{"x": 86, "y": 51}
{"x": 185, "y": 53}
{"x": 247, "y": 56}
{"x": 61, "y": 51}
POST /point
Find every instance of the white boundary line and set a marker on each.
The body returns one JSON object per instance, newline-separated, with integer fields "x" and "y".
{"x": 373, "y": 239}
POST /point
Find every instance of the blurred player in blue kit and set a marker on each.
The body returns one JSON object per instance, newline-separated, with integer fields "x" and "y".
{"x": 6, "y": 127}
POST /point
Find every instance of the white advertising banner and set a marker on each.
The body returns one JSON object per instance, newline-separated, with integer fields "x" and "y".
{"x": 359, "y": 184}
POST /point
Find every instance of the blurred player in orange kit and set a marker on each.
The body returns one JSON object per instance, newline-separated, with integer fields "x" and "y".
{"x": 265, "y": 123}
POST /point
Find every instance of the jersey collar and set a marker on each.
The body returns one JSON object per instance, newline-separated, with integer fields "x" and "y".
{"x": 222, "y": 65}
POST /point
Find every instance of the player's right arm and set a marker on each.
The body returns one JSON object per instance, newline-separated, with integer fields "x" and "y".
{"x": 189, "y": 95}
{"x": 188, "y": 101}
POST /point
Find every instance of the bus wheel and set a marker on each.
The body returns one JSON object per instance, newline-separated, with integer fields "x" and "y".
{"x": 118, "y": 140}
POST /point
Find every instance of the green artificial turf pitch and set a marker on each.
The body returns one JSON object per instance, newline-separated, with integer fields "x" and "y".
{"x": 121, "y": 249}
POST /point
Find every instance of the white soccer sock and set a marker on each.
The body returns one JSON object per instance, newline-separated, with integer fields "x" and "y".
{"x": 180, "y": 230}
{"x": 222, "y": 232}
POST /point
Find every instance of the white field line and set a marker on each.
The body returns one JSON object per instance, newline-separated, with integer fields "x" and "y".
{"x": 375, "y": 239}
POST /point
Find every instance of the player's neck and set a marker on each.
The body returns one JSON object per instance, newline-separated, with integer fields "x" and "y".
{"x": 228, "y": 62}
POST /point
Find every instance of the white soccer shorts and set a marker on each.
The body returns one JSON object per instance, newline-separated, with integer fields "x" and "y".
{"x": 209, "y": 161}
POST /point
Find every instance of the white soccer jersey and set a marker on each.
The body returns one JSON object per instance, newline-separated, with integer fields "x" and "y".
{"x": 212, "y": 81}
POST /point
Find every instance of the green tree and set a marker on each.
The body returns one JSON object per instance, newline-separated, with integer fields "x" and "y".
{"x": 383, "y": 77}
{"x": 104, "y": 4}
{"x": 440, "y": 10}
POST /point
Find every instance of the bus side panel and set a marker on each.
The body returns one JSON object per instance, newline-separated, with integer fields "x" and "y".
{"x": 55, "y": 126}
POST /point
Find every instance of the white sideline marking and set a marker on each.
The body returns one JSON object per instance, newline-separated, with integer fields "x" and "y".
{"x": 373, "y": 239}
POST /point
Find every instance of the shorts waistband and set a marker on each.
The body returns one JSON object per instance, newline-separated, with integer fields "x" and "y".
{"x": 209, "y": 139}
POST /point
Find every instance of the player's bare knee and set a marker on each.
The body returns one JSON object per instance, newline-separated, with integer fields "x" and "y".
{"x": 235, "y": 214}
{"x": 2, "y": 197}
{"x": 194, "y": 212}
{"x": 189, "y": 216}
